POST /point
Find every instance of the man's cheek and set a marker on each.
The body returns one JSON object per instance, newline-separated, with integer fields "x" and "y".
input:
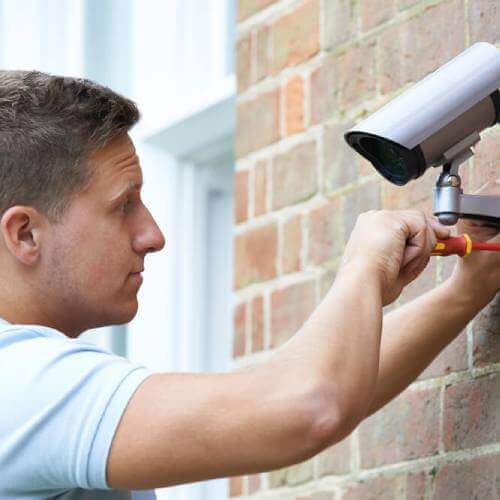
{"x": 110, "y": 269}
{"x": 99, "y": 272}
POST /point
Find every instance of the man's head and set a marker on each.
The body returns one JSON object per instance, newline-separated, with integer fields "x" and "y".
{"x": 73, "y": 226}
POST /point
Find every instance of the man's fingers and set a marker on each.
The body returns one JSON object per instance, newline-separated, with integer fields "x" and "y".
{"x": 442, "y": 232}
{"x": 425, "y": 230}
{"x": 417, "y": 242}
{"x": 413, "y": 270}
{"x": 411, "y": 254}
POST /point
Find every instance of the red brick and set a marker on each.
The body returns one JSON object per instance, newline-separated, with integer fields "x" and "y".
{"x": 277, "y": 478}
{"x": 262, "y": 62}
{"x": 325, "y": 90}
{"x": 453, "y": 358}
{"x": 415, "y": 486}
{"x": 484, "y": 19}
{"x": 336, "y": 459}
{"x": 411, "y": 50}
{"x": 247, "y": 8}
{"x": 358, "y": 75}
{"x": 478, "y": 479}
{"x": 363, "y": 198}
{"x": 364, "y": 166}
{"x": 486, "y": 332}
{"x": 325, "y": 232}
{"x": 290, "y": 307}
{"x": 294, "y": 175}
{"x": 243, "y": 63}
{"x": 411, "y": 487}
{"x": 447, "y": 265}
{"x": 318, "y": 495}
{"x": 416, "y": 194}
{"x": 294, "y": 105}
{"x": 235, "y": 486}
{"x": 467, "y": 173}
{"x": 326, "y": 282}
{"x": 339, "y": 159}
{"x": 405, "y": 429}
{"x": 425, "y": 282}
{"x": 340, "y": 22}
{"x": 388, "y": 488}
{"x": 487, "y": 153}
{"x": 241, "y": 196}
{"x": 257, "y": 122}
{"x": 260, "y": 187}
{"x": 295, "y": 36}
{"x": 255, "y": 255}
{"x": 257, "y": 324}
{"x": 471, "y": 413}
{"x": 253, "y": 483}
{"x": 292, "y": 244}
{"x": 421, "y": 191}
{"x": 375, "y": 13}
{"x": 404, "y": 4}
{"x": 300, "y": 473}
{"x": 239, "y": 329}
{"x": 344, "y": 78}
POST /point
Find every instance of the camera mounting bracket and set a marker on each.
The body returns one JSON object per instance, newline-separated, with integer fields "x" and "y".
{"x": 450, "y": 203}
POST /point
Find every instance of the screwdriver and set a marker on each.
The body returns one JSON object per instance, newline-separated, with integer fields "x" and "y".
{"x": 462, "y": 245}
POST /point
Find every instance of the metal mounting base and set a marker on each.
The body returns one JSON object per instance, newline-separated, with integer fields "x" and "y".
{"x": 450, "y": 203}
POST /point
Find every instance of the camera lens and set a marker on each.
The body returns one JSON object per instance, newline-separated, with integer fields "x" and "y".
{"x": 390, "y": 160}
{"x": 395, "y": 162}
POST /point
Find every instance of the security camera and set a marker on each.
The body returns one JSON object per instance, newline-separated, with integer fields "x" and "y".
{"x": 436, "y": 123}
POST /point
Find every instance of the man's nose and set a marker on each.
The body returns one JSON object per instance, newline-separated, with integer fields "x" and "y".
{"x": 150, "y": 239}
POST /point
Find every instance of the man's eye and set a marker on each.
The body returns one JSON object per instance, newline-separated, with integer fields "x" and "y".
{"x": 125, "y": 205}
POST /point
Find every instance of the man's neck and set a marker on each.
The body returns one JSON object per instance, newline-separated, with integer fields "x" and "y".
{"x": 23, "y": 310}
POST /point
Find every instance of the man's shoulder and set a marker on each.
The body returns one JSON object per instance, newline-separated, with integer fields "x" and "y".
{"x": 42, "y": 362}
{"x": 29, "y": 348}
{"x": 65, "y": 398}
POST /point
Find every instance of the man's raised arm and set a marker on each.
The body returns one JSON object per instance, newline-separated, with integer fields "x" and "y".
{"x": 312, "y": 392}
{"x": 414, "y": 334}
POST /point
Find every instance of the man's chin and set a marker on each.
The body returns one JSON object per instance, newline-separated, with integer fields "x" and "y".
{"x": 122, "y": 315}
{"x": 130, "y": 313}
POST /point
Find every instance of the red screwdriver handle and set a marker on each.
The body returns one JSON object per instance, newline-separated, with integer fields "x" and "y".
{"x": 455, "y": 245}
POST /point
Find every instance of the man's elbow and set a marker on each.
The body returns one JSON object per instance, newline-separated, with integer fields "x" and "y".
{"x": 329, "y": 421}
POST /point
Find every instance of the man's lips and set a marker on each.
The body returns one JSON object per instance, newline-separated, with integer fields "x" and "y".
{"x": 137, "y": 277}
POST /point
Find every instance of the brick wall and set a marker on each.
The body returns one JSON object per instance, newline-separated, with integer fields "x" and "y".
{"x": 307, "y": 70}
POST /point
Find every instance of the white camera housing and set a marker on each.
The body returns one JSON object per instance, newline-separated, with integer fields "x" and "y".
{"x": 415, "y": 130}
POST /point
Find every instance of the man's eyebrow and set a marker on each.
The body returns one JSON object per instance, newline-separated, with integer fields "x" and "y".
{"x": 128, "y": 187}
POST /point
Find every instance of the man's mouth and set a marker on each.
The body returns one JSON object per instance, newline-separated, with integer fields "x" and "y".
{"x": 137, "y": 277}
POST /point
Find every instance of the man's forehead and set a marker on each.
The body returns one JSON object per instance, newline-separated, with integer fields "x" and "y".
{"x": 117, "y": 150}
{"x": 116, "y": 160}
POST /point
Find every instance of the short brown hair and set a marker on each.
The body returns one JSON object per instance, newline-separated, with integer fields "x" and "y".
{"x": 49, "y": 125}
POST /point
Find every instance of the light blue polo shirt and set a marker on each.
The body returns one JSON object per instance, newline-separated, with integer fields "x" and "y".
{"x": 61, "y": 400}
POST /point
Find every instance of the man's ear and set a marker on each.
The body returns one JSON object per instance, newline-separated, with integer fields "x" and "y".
{"x": 21, "y": 228}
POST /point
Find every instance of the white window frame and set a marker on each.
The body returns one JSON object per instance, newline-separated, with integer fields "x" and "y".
{"x": 199, "y": 152}
{"x": 176, "y": 142}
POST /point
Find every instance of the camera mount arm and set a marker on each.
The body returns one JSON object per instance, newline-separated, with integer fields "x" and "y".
{"x": 450, "y": 203}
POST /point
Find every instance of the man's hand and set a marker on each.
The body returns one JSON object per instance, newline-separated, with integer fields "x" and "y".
{"x": 479, "y": 273}
{"x": 397, "y": 245}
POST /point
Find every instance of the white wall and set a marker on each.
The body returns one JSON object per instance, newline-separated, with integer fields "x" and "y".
{"x": 174, "y": 58}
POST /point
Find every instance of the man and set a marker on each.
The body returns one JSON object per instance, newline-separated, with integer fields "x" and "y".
{"x": 79, "y": 422}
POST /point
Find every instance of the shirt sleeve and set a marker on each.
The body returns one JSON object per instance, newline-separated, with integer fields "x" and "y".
{"x": 64, "y": 424}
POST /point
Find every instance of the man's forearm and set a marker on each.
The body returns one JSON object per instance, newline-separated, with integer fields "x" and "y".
{"x": 414, "y": 334}
{"x": 338, "y": 348}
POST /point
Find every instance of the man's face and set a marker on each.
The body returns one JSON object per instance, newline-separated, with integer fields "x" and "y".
{"x": 97, "y": 250}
